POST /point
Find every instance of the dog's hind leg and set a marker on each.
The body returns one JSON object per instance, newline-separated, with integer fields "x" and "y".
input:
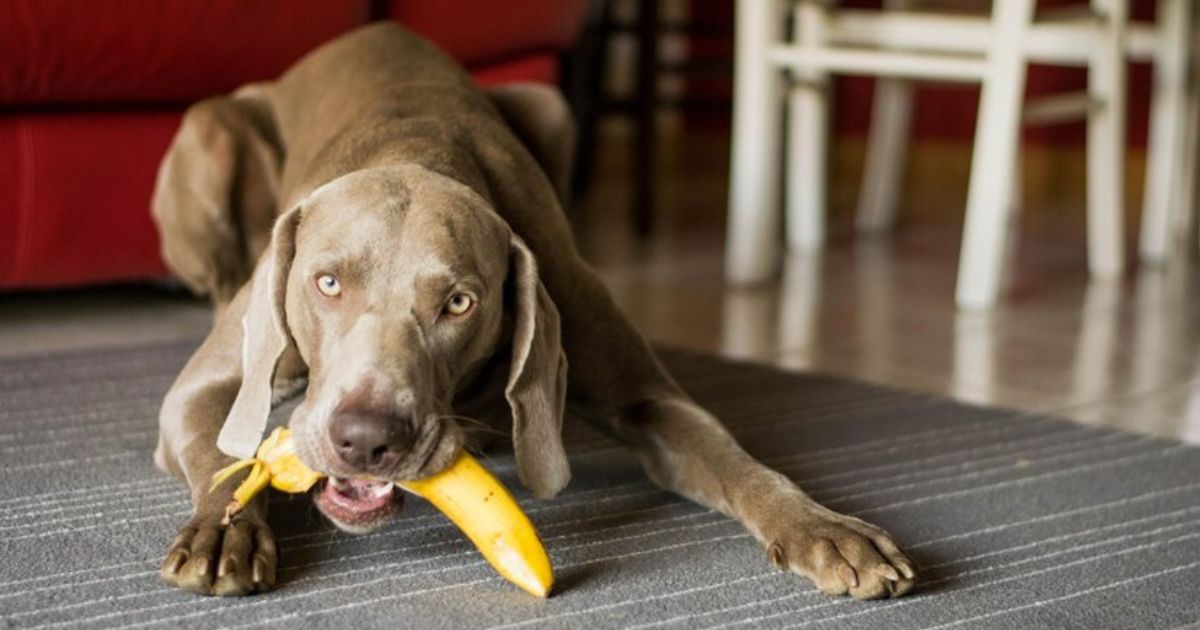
{"x": 216, "y": 194}
{"x": 616, "y": 381}
{"x": 541, "y": 119}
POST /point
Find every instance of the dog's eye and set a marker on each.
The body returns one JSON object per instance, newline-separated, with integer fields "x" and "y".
{"x": 329, "y": 285}
{"x": 459, "y": 303}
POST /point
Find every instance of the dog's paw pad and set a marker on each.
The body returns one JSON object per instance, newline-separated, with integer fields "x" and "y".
{"x": 843, "y": 555}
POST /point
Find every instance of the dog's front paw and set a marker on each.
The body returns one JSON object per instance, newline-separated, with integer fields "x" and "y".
{"x": 840, "y": 554}
{"x": 212, "y": 559}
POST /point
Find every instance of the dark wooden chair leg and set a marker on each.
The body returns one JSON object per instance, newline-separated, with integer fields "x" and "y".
{"x": 583, "y": 83}
{"x": 645, "y": 145}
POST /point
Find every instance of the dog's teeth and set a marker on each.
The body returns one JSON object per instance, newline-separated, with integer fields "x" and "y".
{"x": 337, "y": 483}
{"x": 384, "y": 490}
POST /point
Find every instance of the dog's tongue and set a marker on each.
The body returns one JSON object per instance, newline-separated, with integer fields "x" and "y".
{"x": 360, "y": 495}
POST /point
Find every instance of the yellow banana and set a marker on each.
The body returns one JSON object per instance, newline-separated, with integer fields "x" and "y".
{"x": 485, "y": 511}
{"x": 465, "y": 492}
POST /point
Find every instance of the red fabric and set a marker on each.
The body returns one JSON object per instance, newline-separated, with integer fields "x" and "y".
{"x": 541, "y": 68}
{"x": 475, "y": 31}
{"x": 76, "y": 177}
{"x": 948, "y": 112}
{"x": 156, "y": 51}
{"x": 74, "y": 207}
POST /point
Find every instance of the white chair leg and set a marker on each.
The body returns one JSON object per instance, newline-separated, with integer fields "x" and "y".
{"x": 1188, "y": 215}
{"x": 1016, "y": 187}
{"x": 994, "y": 157}
{"x": 885, "y": 161}
{"x": 1168, "y": 114}
{"x": 883, "y": 171}
{"x": 808, "y": 136}
{"x": 1010, "y": 258}
{"x": 753, "y": 247}
{"x": 1106, "y": 142}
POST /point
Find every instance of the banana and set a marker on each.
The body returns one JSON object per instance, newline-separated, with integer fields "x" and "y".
{"x": 485, "y": 511}
{"x": 470, "y": 496}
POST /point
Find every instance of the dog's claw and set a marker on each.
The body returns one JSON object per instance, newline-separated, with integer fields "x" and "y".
{"x": 259, "y": 571}
{"x": 227, "y": 566}
{"x": 173, "y": 562}
{"x": 242, "y": 554}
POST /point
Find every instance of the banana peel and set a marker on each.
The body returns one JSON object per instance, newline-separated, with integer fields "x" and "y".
{"x": 276, "y": 464}
{"x": 470, "y": 496}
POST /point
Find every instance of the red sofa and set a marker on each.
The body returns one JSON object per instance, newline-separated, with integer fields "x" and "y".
{"x": 91, "y": 93}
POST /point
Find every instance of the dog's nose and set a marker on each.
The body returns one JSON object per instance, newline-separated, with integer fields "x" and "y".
{"x": 368, "y": 442}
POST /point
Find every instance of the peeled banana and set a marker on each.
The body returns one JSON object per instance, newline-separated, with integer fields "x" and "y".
{"x": 465, "y": 492}
{"x": 484, "y": 510}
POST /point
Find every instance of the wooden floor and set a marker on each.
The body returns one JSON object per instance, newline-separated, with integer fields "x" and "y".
{"x": 880, "y": 308}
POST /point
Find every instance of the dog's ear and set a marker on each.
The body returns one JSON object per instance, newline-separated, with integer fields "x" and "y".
{"x": 542, "y": 121}
{"x": 265, "y": 338}
{"x": 537, "y": 380}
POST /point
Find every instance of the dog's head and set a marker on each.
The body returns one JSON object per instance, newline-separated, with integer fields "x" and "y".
{"x": 395, "y": 286}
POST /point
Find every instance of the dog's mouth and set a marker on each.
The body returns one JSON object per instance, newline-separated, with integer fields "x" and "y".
{"x": 358, "y": 504}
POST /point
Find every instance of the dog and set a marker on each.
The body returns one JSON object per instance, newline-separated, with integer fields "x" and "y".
{"x": 381, "y": 234}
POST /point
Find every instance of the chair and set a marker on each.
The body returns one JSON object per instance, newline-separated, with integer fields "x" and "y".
{"x": 992, "y": 50}
{"x": 1171, "y": 154}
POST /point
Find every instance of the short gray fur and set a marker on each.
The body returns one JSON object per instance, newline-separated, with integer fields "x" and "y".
{"x": 1018, "y": 521}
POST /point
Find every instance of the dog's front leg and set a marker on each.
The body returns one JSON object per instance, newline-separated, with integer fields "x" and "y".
{"x": 686, "y": 450}
{"x": 207, "y": 556}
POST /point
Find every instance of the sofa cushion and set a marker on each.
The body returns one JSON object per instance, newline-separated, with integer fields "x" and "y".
{"x": 75, "y": 189}
{"x": 475, "y": 31}
{"x": 74, "y": 207}
{"x": 164, "y": 51}
{"x": 65, "y": 52}
{"x": 90, "y": 95}
{"x": 539, "y": 68}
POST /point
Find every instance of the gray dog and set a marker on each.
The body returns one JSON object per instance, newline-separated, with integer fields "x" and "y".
{"x": 378, "y": 232}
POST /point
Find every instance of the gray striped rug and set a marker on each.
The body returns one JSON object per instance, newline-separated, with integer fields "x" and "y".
{"x": 1019, "y": 521}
